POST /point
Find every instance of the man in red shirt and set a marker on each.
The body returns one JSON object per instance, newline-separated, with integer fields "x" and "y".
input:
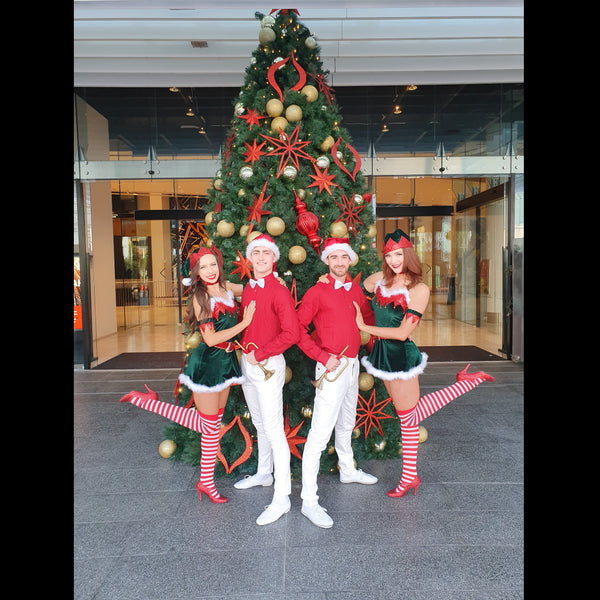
{"x": 273, "y": 330}
{"x": 329, "y": 306}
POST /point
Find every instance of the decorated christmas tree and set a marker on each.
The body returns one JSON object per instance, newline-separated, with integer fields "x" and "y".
{"x": 289, "y": 169}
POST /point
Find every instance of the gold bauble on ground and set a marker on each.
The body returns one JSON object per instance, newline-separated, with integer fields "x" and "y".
{"x": 365, "y": 381}
{"x": 423, "y": 435}
{"x": 293, "y": 113}
{"x": 277, "y": 124}
{"x": 166, "y": 448}
{"x": 311, "y": 93}
{"x": 274, "y": 107}
{"x": 338, "y": 229}
{"x": 225, "y": 228}
{"x": 275, "y": 226}
{"x": 297, "y": 255}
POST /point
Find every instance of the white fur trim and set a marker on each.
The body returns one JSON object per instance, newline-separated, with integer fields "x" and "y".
{"x": 199, "y": 389}
{"x": 271, "y": 245}
{"x": 388, "y": 376}
{"x": 333, "y": 247}
{"x": 227, "y": 302}
{"x": 186, "y": 281}
{"x": 390, "y": 293}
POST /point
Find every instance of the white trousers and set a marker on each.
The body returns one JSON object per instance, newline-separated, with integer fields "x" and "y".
{"x": 265, "y": 402}
{"x": 334, "y": 407}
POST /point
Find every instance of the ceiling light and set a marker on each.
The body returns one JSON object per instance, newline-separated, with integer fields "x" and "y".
{"x": 384, "y": 129}
{"x": 397, "y": 109}
{"x": 411, "y": 87}
{"x": 190, "y": 113}
{"x": 173, "y": 89}
{"x": 201, "y": 131}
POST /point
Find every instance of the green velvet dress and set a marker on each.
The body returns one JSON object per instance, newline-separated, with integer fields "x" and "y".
{"x": 212, "y": 369}
{"x": 393, "y": 359}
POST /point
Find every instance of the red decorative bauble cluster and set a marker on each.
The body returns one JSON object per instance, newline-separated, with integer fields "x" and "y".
{"x": 307, "y": 223}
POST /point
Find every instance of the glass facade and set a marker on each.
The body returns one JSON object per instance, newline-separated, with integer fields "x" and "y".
{"x": 450, "y": 174}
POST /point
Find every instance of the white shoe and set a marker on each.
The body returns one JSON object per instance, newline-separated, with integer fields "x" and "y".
{"x": 359, "y": 476}
{"x": 273, "y": 512}
{"x": 252, "y": 481}
{"x": 317, "y": 515}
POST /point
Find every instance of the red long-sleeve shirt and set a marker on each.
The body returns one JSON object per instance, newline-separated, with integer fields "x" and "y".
{"x": 274, "y": 327}
{"x": 333, "y": 314}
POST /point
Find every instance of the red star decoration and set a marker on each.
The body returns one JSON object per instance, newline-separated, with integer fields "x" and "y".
{"x": 370, "y": 412}
{"x": 349, "y": 213}
{"x": 253, "y": 152}
{"x": 256, "y": 211}
{"x": 323, "y": 87}
{"x": 252, "y": 117}
{"x": 289, "y": 148}
{"x": 228, "y": 143}
{"x": 242, "y": 266}
{"x": 292, "y": 439}
{"x": 323, "y": 180}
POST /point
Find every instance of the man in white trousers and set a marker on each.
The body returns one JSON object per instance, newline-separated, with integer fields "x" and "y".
{"x": 273, "y": 330}
{"x": 329, "y": 307}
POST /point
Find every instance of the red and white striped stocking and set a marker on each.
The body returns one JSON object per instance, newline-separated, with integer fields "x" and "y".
{"x": 209, "y": 446}
{"x": 188, "y": 417}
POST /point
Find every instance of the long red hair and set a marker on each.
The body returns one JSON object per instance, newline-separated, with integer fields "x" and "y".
{"x": 412, "y": 269}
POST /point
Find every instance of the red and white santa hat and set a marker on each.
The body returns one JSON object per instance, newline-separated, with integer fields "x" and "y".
{"x": 263, "y": 240}
{"x": 332, "y": 244}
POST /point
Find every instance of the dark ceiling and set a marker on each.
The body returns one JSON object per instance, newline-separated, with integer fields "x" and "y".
{"x": 479, "y": 119}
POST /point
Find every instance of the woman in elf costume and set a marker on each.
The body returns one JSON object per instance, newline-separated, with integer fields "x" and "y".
{"x": 399, "y": 302}
{"x": 210, "y": 368}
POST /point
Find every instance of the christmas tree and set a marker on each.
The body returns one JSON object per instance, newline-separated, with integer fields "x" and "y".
{"x": 289, "y": 169}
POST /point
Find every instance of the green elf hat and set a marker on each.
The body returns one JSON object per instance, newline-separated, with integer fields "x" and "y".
{"x": 393, "y": 241}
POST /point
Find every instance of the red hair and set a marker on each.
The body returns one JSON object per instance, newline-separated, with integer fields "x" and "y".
{"x": 412, "y": 269}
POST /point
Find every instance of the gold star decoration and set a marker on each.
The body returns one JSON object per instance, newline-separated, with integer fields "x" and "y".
{"x": 292, "y": 438}
{"x": 322, "y": 179}
{"x": 370, "y": 412}
{"x": 253, "y": 152}
{"x": 349, "y": 213}
{"x": 289, "y": 148}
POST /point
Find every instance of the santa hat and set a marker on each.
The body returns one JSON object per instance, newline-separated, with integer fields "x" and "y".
{"x": 396, "y": 240}
{"x": 332, "y": 244}
{"x": 263, "y": 240}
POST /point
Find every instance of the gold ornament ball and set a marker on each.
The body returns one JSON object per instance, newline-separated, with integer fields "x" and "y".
{"x": 338, "y": 229}
{"x": 244, "y": 230}
{"x": 290, "y": 172}
{"x": 209, "y": 217}
{"x": 355, "y": 433}
{"x": 364, "y": 338}
{"x": 423, "y": 435}
{"x": 252, "y": 235}
{"x": 330, "y": 450}
{"x": 241, "y": 192}
{"x": 307, "y": 411}
{"x": 275, "y": 226}
{"x": 297, "y": 255}
{"x": 193, "y": 340}
{"x": 327, "y": 143}
{"x": 365, "y": 382}
{"x": 372, "y": 231}
{"x": 310, "y": 42}
{"x": 288, "y": 374}
{"x": 379, "y": 446}
{"x": 277, "y": 124}
{"x": 293, "y": 113}
{"x": 166, "y": 448}
{"x": 218, "y": 184}
{"x": 311, "y": 93}
{"x": 225, "y": 228}
{"x": 266, "y": 35}
{"x": 274, "y": 107}
{"x": 301, "y": 194}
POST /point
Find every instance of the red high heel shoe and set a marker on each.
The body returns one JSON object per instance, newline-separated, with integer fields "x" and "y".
{"x": 464, "y": 376}
{"x": 402, "y": 488}
{"x": 213, "y": 497}
{"x": 133, "y": 395}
